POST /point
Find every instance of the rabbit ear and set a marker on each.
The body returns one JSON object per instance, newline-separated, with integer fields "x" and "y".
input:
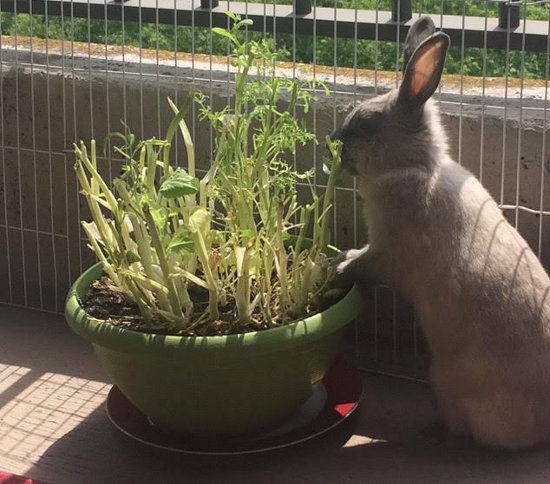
{"x": 424, "y": 70}
{"x": 419, "y": 31}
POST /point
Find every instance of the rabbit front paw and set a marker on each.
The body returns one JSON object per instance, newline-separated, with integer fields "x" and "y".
{"x": 345, "y": 267}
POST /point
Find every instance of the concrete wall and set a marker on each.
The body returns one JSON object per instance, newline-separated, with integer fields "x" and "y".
{"x": 56, "y": 100}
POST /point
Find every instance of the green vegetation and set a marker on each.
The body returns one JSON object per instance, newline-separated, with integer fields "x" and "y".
{"x": 323, "y": 51}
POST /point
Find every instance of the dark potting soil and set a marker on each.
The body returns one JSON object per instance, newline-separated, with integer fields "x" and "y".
{"x": 104, "y": 301}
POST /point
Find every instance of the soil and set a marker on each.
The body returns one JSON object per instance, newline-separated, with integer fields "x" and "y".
{"x": 104, "y": 301}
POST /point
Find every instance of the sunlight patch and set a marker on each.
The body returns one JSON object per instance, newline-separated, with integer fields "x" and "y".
{"x": 357, "y": 440}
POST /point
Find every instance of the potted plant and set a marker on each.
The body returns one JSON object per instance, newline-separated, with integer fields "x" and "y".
{"x": 204, "y": 306}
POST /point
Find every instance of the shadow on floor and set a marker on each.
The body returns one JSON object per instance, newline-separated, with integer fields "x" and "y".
{"x": 94, "y": 452}
{"x": 44, "y": 343}
{"x": 84, "y": 448}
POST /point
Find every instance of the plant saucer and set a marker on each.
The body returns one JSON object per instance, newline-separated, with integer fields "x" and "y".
{"x": 331, "y": 403}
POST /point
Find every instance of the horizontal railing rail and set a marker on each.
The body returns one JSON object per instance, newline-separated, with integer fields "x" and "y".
{"x": 506, "y": 32}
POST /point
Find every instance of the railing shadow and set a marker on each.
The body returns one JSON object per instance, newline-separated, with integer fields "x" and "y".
{"x": 53, "y": 419}
{"x": 387, "y": 446}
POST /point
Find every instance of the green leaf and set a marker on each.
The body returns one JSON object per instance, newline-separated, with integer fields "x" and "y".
{"x": 245, "y": 22}
{"x": 231, "y": 15}
{"x": 247, "y": 234}
{"x": 178, "y": 184}
{"x": 225, "y": 33}
{"x": 181, "y": 242}
{"x": 160, "y": 215}
{"x": 92, "y": 230}
{"x": 200, "y": 222}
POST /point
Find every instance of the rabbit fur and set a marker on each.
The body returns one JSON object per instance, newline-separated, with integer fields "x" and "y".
{"x": 435, "y": 234}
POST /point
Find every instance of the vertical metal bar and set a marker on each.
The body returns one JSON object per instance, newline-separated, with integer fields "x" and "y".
{"x": 18, "y": 143}
{"x": 296, "y": 12}
{"x": 357, "y": 321}
{"x": 441, "y": 28}
{"x": 264, "y": 19}
{"x": 123, "y": 28}
{"x": 90, "y": 90}
{"x": 483, "y": 92}
{"x": 192, "y": 68}
{"x": 376, "y": 48}
{"x": 355, "y": 42}
{"x": 334, "y": 105}
{"x": 75, "y": 134}
{"x": 397, "y": 32}
{"x": 140, "y": 47}
{"x": 107, "y": 94}
{"x": 4, "y": 172}
{"x": 228, "y": 60}
{"x": 543, "y": 149}
{"x": 461, "y": 83}
{"x": 396, "y": 16}
{"x": 35, "y": 161}
{"x": 65, "y": 144}
{"x": 520, "y": 130}
{"x": 505, "y": 120}
{"x": 376, "y": 54}
{"x": 50, "y": 161}
{"x": 314, "y": 70}
{"x": 211, "y": 90}
{"x": 274, "y": 24}
{"x": 176, "y": 76}
{"x": 157, "y": 59}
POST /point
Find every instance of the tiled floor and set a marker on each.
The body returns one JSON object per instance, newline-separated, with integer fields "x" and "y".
{"x": 53, "y": 427}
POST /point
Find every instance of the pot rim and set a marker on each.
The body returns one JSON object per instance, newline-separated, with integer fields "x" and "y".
{"x": 299, "y": 332}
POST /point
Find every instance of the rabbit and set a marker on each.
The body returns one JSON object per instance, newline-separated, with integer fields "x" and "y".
{"x": 439, "y": 238}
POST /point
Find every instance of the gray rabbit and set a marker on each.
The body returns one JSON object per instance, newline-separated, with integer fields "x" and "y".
{"x": 438, "y": 236}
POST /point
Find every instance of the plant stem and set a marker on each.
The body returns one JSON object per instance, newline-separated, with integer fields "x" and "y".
{"x": 175, "y": 303}
{"x": 283, "y": 262}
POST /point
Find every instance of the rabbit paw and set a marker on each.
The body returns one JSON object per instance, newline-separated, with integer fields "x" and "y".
{"x": 344, "y": 264}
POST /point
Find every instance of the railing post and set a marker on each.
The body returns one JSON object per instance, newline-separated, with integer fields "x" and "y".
{"x": 209, "y": 3}
{"x": 401, "y": 10}
{"x": 302, "y": 7}
{"x": 508, "y": 15}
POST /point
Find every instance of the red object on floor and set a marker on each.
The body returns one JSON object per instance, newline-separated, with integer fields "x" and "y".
{"x": 342, "y": 389}
{"x": 7, "y": 478}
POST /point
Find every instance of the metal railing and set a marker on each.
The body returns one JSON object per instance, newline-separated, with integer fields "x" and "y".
{"x": 303, "y": 19}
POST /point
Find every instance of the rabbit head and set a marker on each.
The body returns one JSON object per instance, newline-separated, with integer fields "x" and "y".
{"x": 400, "y": 129}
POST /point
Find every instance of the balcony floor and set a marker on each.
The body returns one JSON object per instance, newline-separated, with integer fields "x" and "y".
{"x": 53, "y": 427}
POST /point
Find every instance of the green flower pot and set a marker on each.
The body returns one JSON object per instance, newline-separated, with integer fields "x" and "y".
{"x": 215, "y": 385}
